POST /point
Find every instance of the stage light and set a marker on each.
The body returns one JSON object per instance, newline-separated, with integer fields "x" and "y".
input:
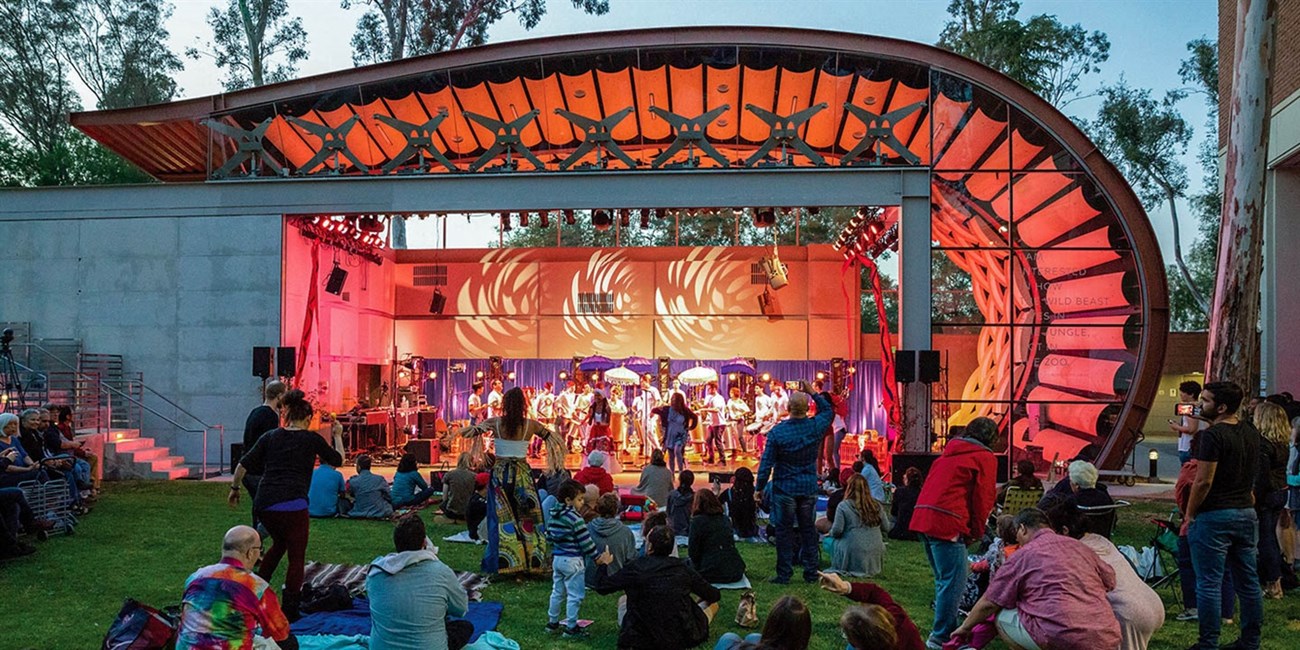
{"x": 545, "y": 216}
{"x": 569, "y": 219}
{"x": 370, "y": 224}
{"x": 478, "y": 374}
{"x": 767, "y": 377}
{"x": 433, "y": 375}
{"x": 438, "y": 303}
{"x": 563, "y": 375}
{"x": 731, "y": 377}
{"x": 505, "y": 222}
{"x": 764, "y": 217}
{"x": 624, "y": 218}
{"x": 601, "y": 220}
{"x": 523, "y": 219}
{"x": 820, "y": 375}
{"x": 645, "y": 218}
{"x": 852, "y": 370}
{"x": 334, "y": 284}
{"x": 595, "y": 376}
{"x": 510, "y": 375}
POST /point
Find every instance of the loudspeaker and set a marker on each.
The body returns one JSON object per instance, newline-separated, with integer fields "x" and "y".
{"x": 774, "y": 270}
{"x": 334, "y": 284}
{"x": 262, "y": 362}
{"x": 438, "y": 303}
{"x": 428, "y": 423}
{"x": 905, "y": 366}
{"x": 928, "y": 366}
{"x": 286, "y": 361}
{"x": 769, "y": 304}
{"x": 426, "y": 451}
{"x": 236, "y": 453}
{"x": 899, "y": 463}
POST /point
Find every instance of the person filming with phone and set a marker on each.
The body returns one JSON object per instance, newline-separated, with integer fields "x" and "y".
{"x": 1185, "y": 423}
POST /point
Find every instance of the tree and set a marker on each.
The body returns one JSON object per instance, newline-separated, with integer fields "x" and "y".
{"x": 1146, "y": 138}
{"x": 35, "y": 96}
{"x": 247, "y": 36}
{"x": 118, "y": 48}
{"x": 395, "y": 29}
{"x": 1201, "y": 71}
{"x": 1046, "y": 56}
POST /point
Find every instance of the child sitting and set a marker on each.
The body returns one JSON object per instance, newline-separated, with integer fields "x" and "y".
{"x": 679, "y": 503}
{"x": 981, "y": 572}
{"x": 570, "y": 545}
{"x": 739, "y": 499}
{"x": 476, "y": 510}
{"x": 608, "y": 532}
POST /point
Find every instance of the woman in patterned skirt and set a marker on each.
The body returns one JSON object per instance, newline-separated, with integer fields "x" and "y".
{"x": 516, "y": 536}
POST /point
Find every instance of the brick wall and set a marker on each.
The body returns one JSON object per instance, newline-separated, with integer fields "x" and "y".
{"x": 1286, "y": 65}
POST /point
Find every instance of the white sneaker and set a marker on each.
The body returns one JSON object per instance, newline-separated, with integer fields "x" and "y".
{"x": 1187, "y": 615}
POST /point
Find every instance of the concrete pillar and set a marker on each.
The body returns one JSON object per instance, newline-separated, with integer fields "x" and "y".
{"x": 914, "y": 305}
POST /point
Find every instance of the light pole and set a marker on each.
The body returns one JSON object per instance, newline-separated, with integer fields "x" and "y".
{"x": 1154, "y": 457}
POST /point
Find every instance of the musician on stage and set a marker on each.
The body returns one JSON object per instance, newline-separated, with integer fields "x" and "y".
{"x": 675, "y": 390}
{"x": 542, "y": 406}
{"x": 618, "y": 418}
{"x": 477, "y": 411}
{"x": 646, "y": 400}
{"x": 764, "y": 418}
{"x": 713, "y": 412}
{"x": 564, "y": 404}
{"x": 780, "y": 402}
{"x": 580, "y": 425}
{"x": 494, "y": 400}
{"x": 738, "y": 415}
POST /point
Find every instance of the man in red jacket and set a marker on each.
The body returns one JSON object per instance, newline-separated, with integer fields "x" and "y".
{"x": 955, "y": 501}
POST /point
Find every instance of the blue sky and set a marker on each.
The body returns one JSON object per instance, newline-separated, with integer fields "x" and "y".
{"x": 1148, "y": 39}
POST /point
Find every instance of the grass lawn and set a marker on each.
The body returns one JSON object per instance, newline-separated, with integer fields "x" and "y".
{"x": 145, "y": 538}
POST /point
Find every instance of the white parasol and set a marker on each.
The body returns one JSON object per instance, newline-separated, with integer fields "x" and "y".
{"x": 698, "y": 376}
{"x": 621, "y": 376}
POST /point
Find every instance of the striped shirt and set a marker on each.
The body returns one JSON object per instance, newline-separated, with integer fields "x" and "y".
{"x": 568, "y": 534}
{"x": 223, "y": 605}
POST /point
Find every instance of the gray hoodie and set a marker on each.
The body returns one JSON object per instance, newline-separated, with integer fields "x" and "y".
{"x": 612, "y": 533}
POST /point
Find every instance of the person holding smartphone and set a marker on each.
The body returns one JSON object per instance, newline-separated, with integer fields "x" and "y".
{"x": 1186, "y": 424}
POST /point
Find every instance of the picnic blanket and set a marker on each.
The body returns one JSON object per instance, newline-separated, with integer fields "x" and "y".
{"x": 318, "y": 642}
{"x": 742, "y": 583}
{"x": 319, "y": 574}
{"x": 463, "y": 538}
{"x": 356, "y": 621}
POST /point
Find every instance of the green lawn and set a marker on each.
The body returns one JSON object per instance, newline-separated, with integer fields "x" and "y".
{"x": 144, "y": 539}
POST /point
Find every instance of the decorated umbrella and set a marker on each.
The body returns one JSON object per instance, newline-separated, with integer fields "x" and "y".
{"x": 596, "y": 362}
{"x": 621, "y": 376}
{"x": 740, "y": 365}
{"x": 639, "y": 364}
{"x": 698, "y": 376}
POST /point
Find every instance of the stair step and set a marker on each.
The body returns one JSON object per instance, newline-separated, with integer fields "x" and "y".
{"x": 173, "y": 473}
{"x": 132, "y": 445}
{"x": 148, "y": 454}
{"x": 165, "y": 463}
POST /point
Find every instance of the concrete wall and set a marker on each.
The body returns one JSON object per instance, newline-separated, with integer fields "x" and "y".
{"x": 183, "y": 300}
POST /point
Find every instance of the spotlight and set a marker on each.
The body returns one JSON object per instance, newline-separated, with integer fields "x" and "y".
{"x": 563, "y": 375}
{"x": 523, "y": 219}
{"x": 505, "y": 222}
{"x": 645, "y": 218}
{"x": 821, "y": 375}
{"x": 814, "y": 210}
{"x": 433, "y": 375}
{"x": 478, "y": 374}
{"x": 510, "y": 375}
{"x": 595, "y": 376}
{"x": 545, "y": 216}
{"x": 438, "y": 303}
{"x": 334, "y": 284}
{"x": 731, "y": 376}
{"x": 601, "y": 220}
{"x": 764, "y": 217}
{"x": 767, "y": 377}
{"x": 569, "y": 219}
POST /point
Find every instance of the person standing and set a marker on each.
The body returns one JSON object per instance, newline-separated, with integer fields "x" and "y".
{"x": 1186, "y": 426}
{"x": 646, "y": 400}
{"x": 764, "y": 418}
{"x": 1270, "y": 492}
{"x": 475, "y": 406}
{"x": 494, "y": 400}
{"x": 677, "y": 421}
{"x": 260, "y": 420}
{"x": 225, "y": 602}
{"x": 1222, "y": 526}
{"x": 284, "y": 457}
{"x": 790, "y": 462}
{"x": 737, "y": 413}
{"x": 543, "y": 408}
{"x": 714, "y": 409}
{"x": 953, "y": 506}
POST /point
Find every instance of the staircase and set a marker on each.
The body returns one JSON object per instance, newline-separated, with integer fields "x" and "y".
{"x": 127, "y": 455}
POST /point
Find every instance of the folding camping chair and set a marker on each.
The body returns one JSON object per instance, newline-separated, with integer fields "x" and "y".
{"x": 1017, "y": 499}
{"x": 1102, "y": 519}
{"x": 1165, "y": 542}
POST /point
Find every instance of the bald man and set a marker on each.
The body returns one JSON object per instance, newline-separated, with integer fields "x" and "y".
{"x": 226, "y": 603}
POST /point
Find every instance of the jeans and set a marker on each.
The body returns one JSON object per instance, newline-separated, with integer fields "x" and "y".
{"x": 1187, "y": 580}
{"x": 568, "y": 586}
{"x": 714, "y": 442}
{"x": 835, "y": 454}
{"x": 289, "y": 532}
{"x": 731, "y": 641}
{"x": 677, "y": 458}
{"x": 788, "y": 512}
{"x": 1270, "y": 551}
{"x": 420, "y": 497}
{"x": 948, "y": 561}
{"x": 1226, "y": 539}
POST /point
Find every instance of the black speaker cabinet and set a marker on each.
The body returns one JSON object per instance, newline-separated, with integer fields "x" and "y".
{"x": 286, "y": 361}
{"x": 901, "y": 462}
{"x": 262, "y": 362}
{"x": 334, "y": 284}
{"x": 905, "y": 366}
{"x": 928, "y": 366}
{"x": 426, "y": 451}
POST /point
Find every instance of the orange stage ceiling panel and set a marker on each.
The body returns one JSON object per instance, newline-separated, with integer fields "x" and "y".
{"x": 758, "y": 87}
{"x": 616, "y": 94}
{"x": 390, "y": 142}
{"x": 1055, "y": 219}
{"x": 724, "y": 88}
{"x": 410, "y": 109}
{"x": 455, "y": 130}
{"x": 986, "y": 186}
{"x": 1095, "y": 333}
{"x": 834, "y": 91}
{"x": 946, "y": 115}
{"x": 854, "y": 129}
{"x": 1029, "y": 191}
{"x": 478, "y": 100}
{"x": 579, "y": 92}
{"x": 1094, "y": 293}
{"x": 1056, "y": 263}
{"x": 920, "y": 144}
{"x": 687, "y": 85}
{"x": 548, "y": 96}
{"x": 358, "y": 141}
{"x": 971, "y": 142}
{"x": 514, "y": 103}
{"x": 1023, "y": 151}
{"x": 651, "y": 88}
{"x": 289, "y": 141}
{"x": 795, "y": 93}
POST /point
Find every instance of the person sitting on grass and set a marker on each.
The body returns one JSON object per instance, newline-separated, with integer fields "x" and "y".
{"x": 594, "y": 473}
{"x": 412, "y": 593}
{"x": 371, "y": 498}
{"x": 651, "y": 521}
{"x": 327, "y": 496}
{"x": 225, "y": 602}
{"x": 570, "y": 545}
{"x": 878, "y": 623}
{"x": 457, "y": 486}
{"x": 712, "y": 546}
{"x": 741, "y": 506}
{"x": 679, "y": 503}
{"x": 668, "y": 605}
{"x": 788, "y": 627}
{"x": 476, "y": 511}
{"x": 904, "y": 504}
{"x": 858, "y": 531}
{"x": 656, "y": 480}
{"x": 409, "y": 488}
{"x": 608, "y": 532}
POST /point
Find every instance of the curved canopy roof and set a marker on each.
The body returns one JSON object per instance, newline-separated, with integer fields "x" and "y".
{"x": 1063, "y": 265}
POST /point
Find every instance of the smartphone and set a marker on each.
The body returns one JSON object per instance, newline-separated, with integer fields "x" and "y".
{"x": 1187, "y": 409}
{"x": 792, "y": 385}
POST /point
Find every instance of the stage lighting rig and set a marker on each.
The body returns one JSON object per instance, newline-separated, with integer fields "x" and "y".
{"x": 870, "y": 233}
{"x": 601, "y": 219}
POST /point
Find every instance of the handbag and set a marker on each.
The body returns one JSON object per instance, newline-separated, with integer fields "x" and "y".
{"x": 747, "y": 611}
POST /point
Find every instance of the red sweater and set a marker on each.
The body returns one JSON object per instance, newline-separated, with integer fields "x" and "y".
{"x": 959, "y": 493}
{"x": 596, "y": 476}
{"x": 909, "y": 638}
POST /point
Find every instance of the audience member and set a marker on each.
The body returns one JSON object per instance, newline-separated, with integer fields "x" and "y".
{"x": 457, "y": 486}
{"x": 571, "y": 545}
{"x": 1186, "y": 426}
{"x": 1270, "y": 493}
{"x": 327, "y": 495}
{"x": 712, "y": 545}
{"x": 371, "y": 498}
{"x": 608, "y": 532}
{"x": 834, "y": 496}
{"x": 904, "y": 504}
{"x": 679, "y": 503}
{"x": 1023, "y": 480}
{"x": 225, "y": 602}
{"x": 741, "y": 507}
{"x": 57, "y": 467}
{"x": 858, "y": 531}
{"x": 409, "y": 488}
{"x": 284, "y": 458}
{"x": 1222, "y": 528}
{"x": 865, "y": 628}
{"x": 18, "y": 467}
{"x": 412, "y": 593}
{"x": 476, "y": 510}
{"x": 265, "y": 417}
{"x": 651, "y": 521}
{"x": 15, "y": 515}
{"x": 656, "y": 480}
{"x": 56, "y": 445}
{"x": 1187, "y": 570}
{"x": 669, "y": 605}
{"x": 871, "y": 472}
{"x": 594, "y": 473}
{"x": 951, "y": 510}
{"x": 788, "y": 627}
{"x": 1050, "y": 594}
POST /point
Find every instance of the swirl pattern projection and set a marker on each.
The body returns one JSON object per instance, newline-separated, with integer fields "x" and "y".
{"x": 1067, "y": 303}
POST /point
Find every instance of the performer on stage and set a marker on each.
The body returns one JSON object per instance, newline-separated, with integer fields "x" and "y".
{"x": 676, "y": 421}
{"x": 494, "y": 400}
{"x": 543, "y": 408}
{"x": 475, "y": 406}
{"x": 780, "y": 402}
{"x": 564, "y": 403}
{"x": 618, "y": 418}
{"x": 516, "y": 535}
{"x": 598, "y": 417}
{"x": 579, "y": 425}
{"x": 764, "y": 418}
{"x": 646, "y": 400}
{"x": 714, "y": 412}
{"x": 737, "y": 416}
{"x": 676, "y": 389}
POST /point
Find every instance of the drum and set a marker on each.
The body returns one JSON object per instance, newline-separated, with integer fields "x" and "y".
{"x": 617, "y": 429}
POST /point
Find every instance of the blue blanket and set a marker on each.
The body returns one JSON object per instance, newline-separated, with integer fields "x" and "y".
{"x": 356, "y": 621}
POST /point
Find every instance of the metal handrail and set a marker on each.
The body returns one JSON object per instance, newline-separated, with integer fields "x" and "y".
{"x": 107, "y": 388}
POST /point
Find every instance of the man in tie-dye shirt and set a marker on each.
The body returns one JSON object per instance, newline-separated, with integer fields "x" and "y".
{"x": 226, "y": 603}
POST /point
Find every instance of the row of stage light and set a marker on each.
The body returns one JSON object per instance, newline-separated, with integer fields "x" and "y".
{"x": 603, "y": 219}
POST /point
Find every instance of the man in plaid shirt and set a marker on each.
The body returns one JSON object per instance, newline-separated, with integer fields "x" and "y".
{"x": 790, "y": 459}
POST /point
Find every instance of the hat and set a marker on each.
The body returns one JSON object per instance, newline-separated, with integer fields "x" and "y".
{"x": 596, "y": 458}
{"x": 481, "y": 480}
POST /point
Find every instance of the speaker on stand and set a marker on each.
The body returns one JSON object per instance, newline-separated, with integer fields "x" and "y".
{"x": 262, "y": 362}
{"x": 286, "y": 361}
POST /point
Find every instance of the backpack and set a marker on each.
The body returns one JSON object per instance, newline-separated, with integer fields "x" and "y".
{"x": 141, "y": 627}
{"x": 331, "y": 597}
